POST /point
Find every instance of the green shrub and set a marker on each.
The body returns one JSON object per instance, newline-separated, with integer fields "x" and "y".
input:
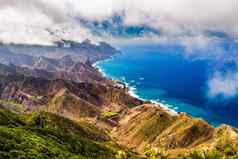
{"x": 48, "y": 136}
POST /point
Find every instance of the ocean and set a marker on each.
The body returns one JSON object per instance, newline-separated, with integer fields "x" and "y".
{"x": 166, "y": 75}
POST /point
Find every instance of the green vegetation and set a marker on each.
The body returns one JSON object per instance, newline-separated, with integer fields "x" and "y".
{"x": 155, "y": 154}
{"x": 108, "y": 115}
{"x": 55, "y": 102}
{"x": 153, "y": 124}
{"x": 131, "y": 105}
{"x": 227, "y": 153}
{"x": 12, "y": 105}
{"x": 45, "y": 135}
{"x": 212, "y": 154}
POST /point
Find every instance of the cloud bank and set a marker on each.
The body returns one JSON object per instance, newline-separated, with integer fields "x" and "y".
{"x": 225, "y": 86}
{"x": 172, "y": 17}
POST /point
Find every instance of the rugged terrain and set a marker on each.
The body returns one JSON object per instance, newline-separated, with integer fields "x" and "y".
{"x": 61, "y": 107}
{"x": 152, "y": 129}
{"x": 68, "y": 60}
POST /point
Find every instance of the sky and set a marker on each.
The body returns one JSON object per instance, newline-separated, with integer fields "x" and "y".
{"x": 186, "y": 22}
{"x": 174, "y": 18}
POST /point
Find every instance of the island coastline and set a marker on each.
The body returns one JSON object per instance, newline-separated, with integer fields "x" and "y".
{"x": 131, "y": 90}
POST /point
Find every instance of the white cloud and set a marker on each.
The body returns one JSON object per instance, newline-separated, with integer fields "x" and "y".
{"x": 174, "y": 18}
{"x": 224, "y": 85}
{"x": 28, "y": 21}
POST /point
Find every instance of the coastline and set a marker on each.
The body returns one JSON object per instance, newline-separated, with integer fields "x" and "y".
{"x": 132, "y": 89}
{"x": 173, "y": 106}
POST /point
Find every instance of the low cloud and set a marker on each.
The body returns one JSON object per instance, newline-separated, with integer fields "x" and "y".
{"x": 225, "y": 86}
{"x": 171, "y": 17}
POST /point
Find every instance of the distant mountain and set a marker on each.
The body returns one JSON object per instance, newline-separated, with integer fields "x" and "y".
{"x": 72, "y": 62}
{"x": 52, "y": 69}
{"x": 7, "y": 57}
{"x": 78, "y": 51}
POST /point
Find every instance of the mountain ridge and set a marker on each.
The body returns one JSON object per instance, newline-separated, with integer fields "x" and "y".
{"x": 29, "y": 88}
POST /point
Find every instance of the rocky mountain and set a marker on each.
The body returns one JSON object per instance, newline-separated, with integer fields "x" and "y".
{"x": 64, "y": 68}
{"x": 71, "y": 99}
{"x": 144, "y": 128}
{"x": 62, "y": 107}
{"x": 68, "y": 60}
{"x": 149, "y": 128}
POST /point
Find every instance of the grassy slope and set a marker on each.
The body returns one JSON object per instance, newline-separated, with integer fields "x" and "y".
{"x": 45, "y": 135}
{"x": 149, "y": 129}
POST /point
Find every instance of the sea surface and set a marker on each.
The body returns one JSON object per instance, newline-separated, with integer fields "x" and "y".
{"x": 165, "y": 74}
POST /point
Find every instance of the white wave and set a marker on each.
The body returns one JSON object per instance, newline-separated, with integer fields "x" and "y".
{"x": 132, "y": 91}
{"x": 96, "y": 64}
{"x": 166, "y": 107}
{"x": 100, "y": 70}
{"x": 132, "y": 81}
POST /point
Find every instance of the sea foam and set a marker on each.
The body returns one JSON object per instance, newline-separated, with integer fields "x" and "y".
{"x": 132, "y": 90}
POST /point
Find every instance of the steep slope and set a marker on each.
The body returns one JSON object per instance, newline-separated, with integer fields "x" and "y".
{"x": 64, "y": 68}
{"x": 65, "y": 89}
{"x": 68, "y": 104}
{"x": 45, "y": 135}
{"x": 76, "y": 101}
{"x": 66, "y": 60}
{"x": 148, "y": 127}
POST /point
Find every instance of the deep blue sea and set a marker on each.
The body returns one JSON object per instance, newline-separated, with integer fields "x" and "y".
{"x": 165, "y": 74}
